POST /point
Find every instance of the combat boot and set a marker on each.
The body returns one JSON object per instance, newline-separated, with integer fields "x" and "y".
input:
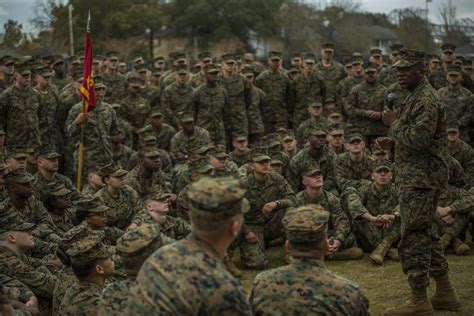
{"x": 353, "y": 253}
{"x": 460, "y": 248}
{"x": 446, "y": 240}
{"x": 230, "y": 266}
{"x": 380, "y": 251}
{"x": 445, "y": 298}
{"x": 392, "y": 254}
{"x": 417, "y": 305}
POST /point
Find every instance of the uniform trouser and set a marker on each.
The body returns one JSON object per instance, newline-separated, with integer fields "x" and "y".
{"x": 254, "y": 255}
{"x": 420, "y": 250}
{"x": 368, "y": 235}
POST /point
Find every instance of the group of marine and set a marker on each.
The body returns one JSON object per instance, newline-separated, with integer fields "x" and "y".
{"x": 183, "y": 165}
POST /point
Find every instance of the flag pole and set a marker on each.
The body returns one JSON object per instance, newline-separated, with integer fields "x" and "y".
{"x": 80, "y": 160}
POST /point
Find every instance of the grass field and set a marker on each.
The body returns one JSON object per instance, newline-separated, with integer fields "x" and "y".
{"x": 386, "y": 286}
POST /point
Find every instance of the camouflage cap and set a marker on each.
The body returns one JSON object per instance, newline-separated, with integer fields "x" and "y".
{"x": 448, "y": 47}
{"x": 211, "y": 69}
{"x": 113, "y": 170}
{"x": 135, "y": 240}
{"x": 16, "y": 153}
{"x": 228, "y": 58}
{"x": 3, "y": 167}
{"x": 370, "y": 67}
{"x": 382, "y": 164}
{"x": 328, "y": 46}
{"x": 247, "y": 70}
{"x": 156, "y": 113}
{"x": 306, "y": 224}
{"x": 180, "y": 58}
{"x": 240, "y": 138}
{"x": 375, "y": 52}
{"x": 217, "y": 199}
{"x": 18, "y": 176}
{"x": 133, "y": 81}
{"x": 160, "y": 58}
{"x": 294, "y": 69}
{"x": 452, "y": 128}
{"x": 289, "y": 137}
{"x": 353, "y": 137}
{"x": 24, "y": 68}
{"x": 219, "y": 152}
{"x": 44, "y": 72}
{"x": 91, "y": 204}
{"x": 274, "y": 55}
{"x": 138, "y": 59}
{"x": 318, "y": 132}
{"x": 156, "y": 73}
{"x": 395, "y": 48}
{"x": 205, "y": 56}
{"x": 6, "y": 60}
{"x": 181, "y": 69}
{"x": 57, "y": 190}
{"x": 335, "y": 114}
{"x": 316, "y": 104}
{"x": 112, "y": 55}
{"x": 47, "y": 153}
{"x": 309, "y": 58}
{"x": 336, "y": 131}
{"x": 453, "y": 70}
{"x": 158, "y": 196}
{"x": 100, "y": 85}
{"x": 2, "y": 132}
{"x": 203, "y": 168}
{"x": 312, "y": 172}
{"x": 259, "y": 157}
{"x": 276, "y": 162}
{"x": 409, "y": 58}
{"x": 87, "y": 249}
{"x": 149, "y": 151}
{"x": 186, "y": 118}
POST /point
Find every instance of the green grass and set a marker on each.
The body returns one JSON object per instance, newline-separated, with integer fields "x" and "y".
{"x": 385, "y": 286}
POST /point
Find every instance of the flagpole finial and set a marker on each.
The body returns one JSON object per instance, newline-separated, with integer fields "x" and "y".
{"x": 88, "y": 20}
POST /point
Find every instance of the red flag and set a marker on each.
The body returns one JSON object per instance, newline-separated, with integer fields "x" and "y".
{"x": 87, "y": 89}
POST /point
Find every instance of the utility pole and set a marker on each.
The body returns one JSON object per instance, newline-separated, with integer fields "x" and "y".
{"x": 426, "y": 25}
{"x": 71, "y": 33}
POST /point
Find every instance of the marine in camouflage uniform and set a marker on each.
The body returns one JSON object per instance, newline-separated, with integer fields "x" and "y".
{"x": 306, "y": 286}
{"x": 162, "y": 131}
{"x": 419, "y": 131}
{"x": 269, "y": 195}
{"x": 388, "y": 76}
{"x": 134, "y": 247}
{"x": 344, "y": 87}
{"x": 83, "y": 297}
{"x": 205, "y": 58}
{"x": 276, "y": 104}
{"x": 211, "y": 106}
{"x": 115, "y": 82}
{"x": 330, "y": 71}
{"x": 365, "y": 104}
{"x": 124, "y": 202}
{"x": 457, "y": 101}
{"x": 239, "y": 97}
{"x": 7, "y": 65}
{"x": 242, "y": 155}
{"x": 177, "y": 98}
{"x": 19, "y": 266}
{"x": 338, "y": 224}
{"x": 164, "y": 274}
{"x": 462, "y": 152}
{"x": 316, "y": 122}
{"x": 56, "y": 199}
{"x": 254, "y": 112}
{"x": 317, "y": 155}
{"x": 59, "y": 78}
{"x": 19, "y": 111}
{"x": 100, "y": 124}
{"x": 307, "y": 88}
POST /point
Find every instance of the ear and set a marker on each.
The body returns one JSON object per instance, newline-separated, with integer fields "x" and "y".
{"x": 346, "y": 146}
{"x": 372, "y": 176}
{"x": 304, "y": 181}
{"x": 288, "y": 246}
{"x": 235, "y": 228}
{"x": 99, "y": 269}
{"x": 11, "y": 238}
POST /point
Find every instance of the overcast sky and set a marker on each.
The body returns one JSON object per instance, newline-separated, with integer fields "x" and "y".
{"x": 23, "y": 10}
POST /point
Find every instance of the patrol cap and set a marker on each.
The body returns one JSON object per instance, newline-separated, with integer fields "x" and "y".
{"x": 135, "y": 240}
{"x": 217, "y": 199}
{"x": 158, "y": 196}
{"x": 219, "y": 152}
{"x": 138, "y": 59}
{"x": 24, "y": 68}
{"x": 276, "y": 162}
{"x": 316, "y": 104}
{"x": 87, "y": 249}
{"x": 353, "y": 137}
{"x": 336, "y": 131}
{"x": 133, "y": 81}
{"x": 376, "y": 52}
{"x": 228, "y": 58}
{"x": 47, "y": 153}
{"x": 382, "y": 164}
{"x": 156, "y": 73}
{"x": 379, "y": 152}
{"x": 306, "y": 224}
{"x": 203, "y": 168}
{"x": 91, "y": 204}
{"x": 181, "y": 69}
{"x": 6, "y": 60}
{"x": 17, "y": 153}
{"x": 259, "y": 157}
{"x": 448, "y": 47}
{"x": 335, "y": 114}
{"x": 318, "y": 132}
{"x": 113, "y": 170}
{"x": 112, "y": 55}
{"x": 328, "y": 46}
{"x": 141, "y": 68}
{"x": 44, "y": 72}
{"x": 274, "y": 55}
{"x": 57, "y": 190}
{"x": 186, "y": 118}
{"x": 247, "y": 70}
{"x": 205, "y": 56}
{"x": 156, "y": 113}
{"x": 370, "y": 67}
{"x": 18, "y": 176}
{"x": 149, "y": 151}
{"x": 100, "y": 85}
{"x": 211, "y": 69}
{"x": 409, "y": 58}
{"x": 240, "y": 138}
{"x": 295, "y": 69}
{"x": 309, "y": 58}
{"x": 160, "y": 59}
{"x": 453, "y": 70}
{"x": 395, "y": 48}
{"x": 180, "y": 58}
{"x": 289, "y": 137}
{"x": 312, "y": 172}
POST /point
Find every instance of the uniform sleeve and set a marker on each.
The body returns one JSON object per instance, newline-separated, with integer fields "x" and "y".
{"x": 352, "y": 103}
{"x": 355, "y": 205}
{"x": 292, "y": 174}
{"x": 288, "y": 197}
{"x": 330, "y": 183}
{"x": 72, "y": 129}
{"x": 339, "y": 218}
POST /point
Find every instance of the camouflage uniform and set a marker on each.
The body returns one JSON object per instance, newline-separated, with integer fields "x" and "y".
{"x": 420, "y": 143}
{"x": 364, "y": 97}
{"x": 211, "y": 106}
{"x": 343, "y": 89}
{"x": 305, "y": 128}
{"x": 302, "y": 162}
{"x": 122, "y": 154}
{"x": 350, "y": 173}
{"x": 458, "y": 104}
{"x": 276, "y": 104}
{"x": 50, "y": 131}
{"x": 338, "y": 225}
{"x": 19, "y": 117}
{"x": 187, "y": 144}
{"x": 101, "y": 124}
{"x": 177, "y": 99}
{"x": 464, "y": 153}
{"x": 116, "y": 87}
{"x": 173, "y": 228}
{"x": 134, "y": 110}
{"x": 163, "y": 136}
{"x": 265, "y": 227}
{"x": 306, "y": 286}
{"x": 368, "y": 200}
{"x": 331, "y": 76}
{"x": 388, "y": 76}
{"x": 83, "y": 297}
{"x": 65, "y": 279}
{"x": 438, "y": 80}
{"x": 213, "y": 291}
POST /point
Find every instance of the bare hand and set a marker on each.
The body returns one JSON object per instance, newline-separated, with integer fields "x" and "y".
{"x": 334, "y": 245}
{"x": 389, "y": 116}
{"x": 385, "y": 143}
{"x": 448, "y": 220}
{"x": 55, "y": 264}
{"x": 180, "y": 156}
{"x": 81, "y": 118}
{"x": 269, "y": 207}
{"x": 374, "y": 115}
{"x": 443, "y": 211}
{"x": 251, "y": 238}
{"x": 377, "y": 220}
